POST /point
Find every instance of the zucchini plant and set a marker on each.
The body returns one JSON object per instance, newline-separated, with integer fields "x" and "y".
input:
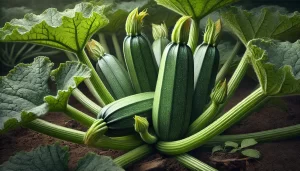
{"x": 146, "y": 108}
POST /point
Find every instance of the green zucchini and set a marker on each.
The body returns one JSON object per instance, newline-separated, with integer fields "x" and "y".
{"x": 138, "y": 54}
{"x": 119, "y": 115}
{"x": 114, "y": 76}
{"x": 158, "y": 47}
{"x": 174, "y": 90}
{"x": 206, "y": 63}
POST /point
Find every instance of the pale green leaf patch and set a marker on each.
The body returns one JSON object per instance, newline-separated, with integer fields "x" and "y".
{"x": 251, "y": 153}
{"x": 248, "y": 143}
{"x": 277, "y": 66}
{"x": 231, "y": 144}
{"x": 68, "y": 30}
{"x": 216, "y": 149}
{"x": 266, "y": 23}
{"x": 25, "y": 94}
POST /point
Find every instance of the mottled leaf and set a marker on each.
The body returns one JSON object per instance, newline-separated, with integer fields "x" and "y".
{"x": 68, "y": 30}
{"x": 266, "y": 23}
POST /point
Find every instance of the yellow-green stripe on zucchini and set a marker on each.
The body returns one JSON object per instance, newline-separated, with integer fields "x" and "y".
{"x": 119, "y": 114}
{"x": 114, "y": 76}
{"x": 174, "y": 92}
{"x": 141, "y": 63}
{"x": 206, "y": 63}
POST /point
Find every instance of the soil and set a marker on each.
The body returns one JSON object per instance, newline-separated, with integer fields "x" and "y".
{"x": 276, "y": 156}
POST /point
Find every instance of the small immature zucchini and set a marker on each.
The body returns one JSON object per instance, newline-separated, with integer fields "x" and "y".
{"x": 174, "y": 89}
{"x": 119, "y": 115}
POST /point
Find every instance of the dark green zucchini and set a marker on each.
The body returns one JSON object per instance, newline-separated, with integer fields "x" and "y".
{"x": 119, "y": 114}
{"x": 206, "y": 63}
{"x": 114, "y": 76}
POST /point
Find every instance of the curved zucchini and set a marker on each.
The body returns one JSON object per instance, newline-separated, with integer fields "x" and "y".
{"x": 141, "y": 63}
{"x": 174, "y": 92}
{"x": 114, "y": 76}
{"x": 119, "y": 115}
{"x": 206, "y": 63}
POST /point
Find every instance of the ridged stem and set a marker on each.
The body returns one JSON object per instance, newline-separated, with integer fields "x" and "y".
{"x": 95, "y": 80}
{"x": 118, "y": 49}
{"x": 103, "y": 42}
{"x": 133, "y": 155}
{"x": 194, "y": 34}
{"x": 262, "y": 136}
{"x": 224, "y": 70}
{"x": 93, "y": 91}
{"x": 193, "y": 163}
{"x": 203, "y": 120}
{"x": 75, "y": 136}
{"x": 86, "y": 102}
{"x": 79, "y": 116}
{"x": 228, "y": 119}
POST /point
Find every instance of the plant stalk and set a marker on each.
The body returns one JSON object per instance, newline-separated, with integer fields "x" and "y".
{"x": 118, "y": 49}
{"x": 79, "y": 116}
{"x": 103, "y": 42}
{"x": 193, "y": 35}
{"x": 262, "y": 136}
{"x": 133, "y": 155}
{"x": 217, "y": 127}
{"x": 86, "y": 102}
{"x": 93, "y": 91}
{"x": 193, "y": 163}
{"x": 224, "y": 70}
{"x": 95, "y": 80}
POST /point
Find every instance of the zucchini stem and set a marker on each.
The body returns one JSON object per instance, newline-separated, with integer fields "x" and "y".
{"x": 224, "y": 70}
{"x": 79, "y": 116}
{"x": 103, "y": 42}
{"x": 95, "y": 80}
{"x": 228, "y": 119}
{"x": 118, "y": 49}
{"x": 262, "y": 136}
{"x": 193, "y": 163}
{"x": 86, "y": 102}
{"x": 133, "y": 155}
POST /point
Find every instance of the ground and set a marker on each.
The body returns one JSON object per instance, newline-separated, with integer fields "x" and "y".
{"x": 276, "y": 156}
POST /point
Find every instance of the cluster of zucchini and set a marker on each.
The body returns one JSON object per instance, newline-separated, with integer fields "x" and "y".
{"x": 165, "y": 83}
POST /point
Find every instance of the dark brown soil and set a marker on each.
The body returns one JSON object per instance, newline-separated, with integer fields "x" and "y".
{"x": 276, "y": 156}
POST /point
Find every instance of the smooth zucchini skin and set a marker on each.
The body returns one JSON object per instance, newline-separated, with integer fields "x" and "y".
{"x": 206, "y": 63}
{"x": 141, "y": 63}
{"x": 114, "y": 76}
{"x": 119, "y": 114}
{"x": 174, "y": 92}
{"x": 158, "y": 48}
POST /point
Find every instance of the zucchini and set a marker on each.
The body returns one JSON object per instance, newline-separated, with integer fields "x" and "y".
{"x": 114, "y": 76}
{"x": 119, "y": 114}
{"x": 174, "y": 90}
{"x": 160, "y": 35}
{"x": 139, "y": 57}
{"x": 206, "y": 64}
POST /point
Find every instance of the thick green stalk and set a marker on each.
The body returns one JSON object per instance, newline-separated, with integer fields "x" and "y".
{"x": 86, "y": 102}
{"x": 133, "y": 155}
{"x": 194, "y": 34}
{"x": 228, "y": 119}
{"x": 75, "y": 136}
{"x": 93, "y": 91}
{"x": 193, "y": 163}
{"x": 262, "y": 136}
{"x": 79, "y": 116}
{"x": 103, "y": 42}
{"x": 56, "y": 131}
{"x": 224, "y": 70}
{"x": 95, "y": 80}
{"x": 203, "y": 120}
{"x": 118, "y": 49}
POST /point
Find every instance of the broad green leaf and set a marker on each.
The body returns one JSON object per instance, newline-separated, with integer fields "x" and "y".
{"x": 277, "y": 65}
{"x": 251, "y": 153}
{"x": 46, "y": 158}
{"x": 117, "y": 14}
{"x": 22, "y": 92}
{"x": 197, "y": 9}
{"x": 248, "y": 142}
{"x": 25, "y": 95}
{"x": 267, "y": 23}
{"x": 234, "y": 150}
{"x": 67, "y": 76}
{"x": 216, "y": 149}
{"x": 94, "y": 162}
{"x": 68, "y": 30}
{"x": 231, "y": 144}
